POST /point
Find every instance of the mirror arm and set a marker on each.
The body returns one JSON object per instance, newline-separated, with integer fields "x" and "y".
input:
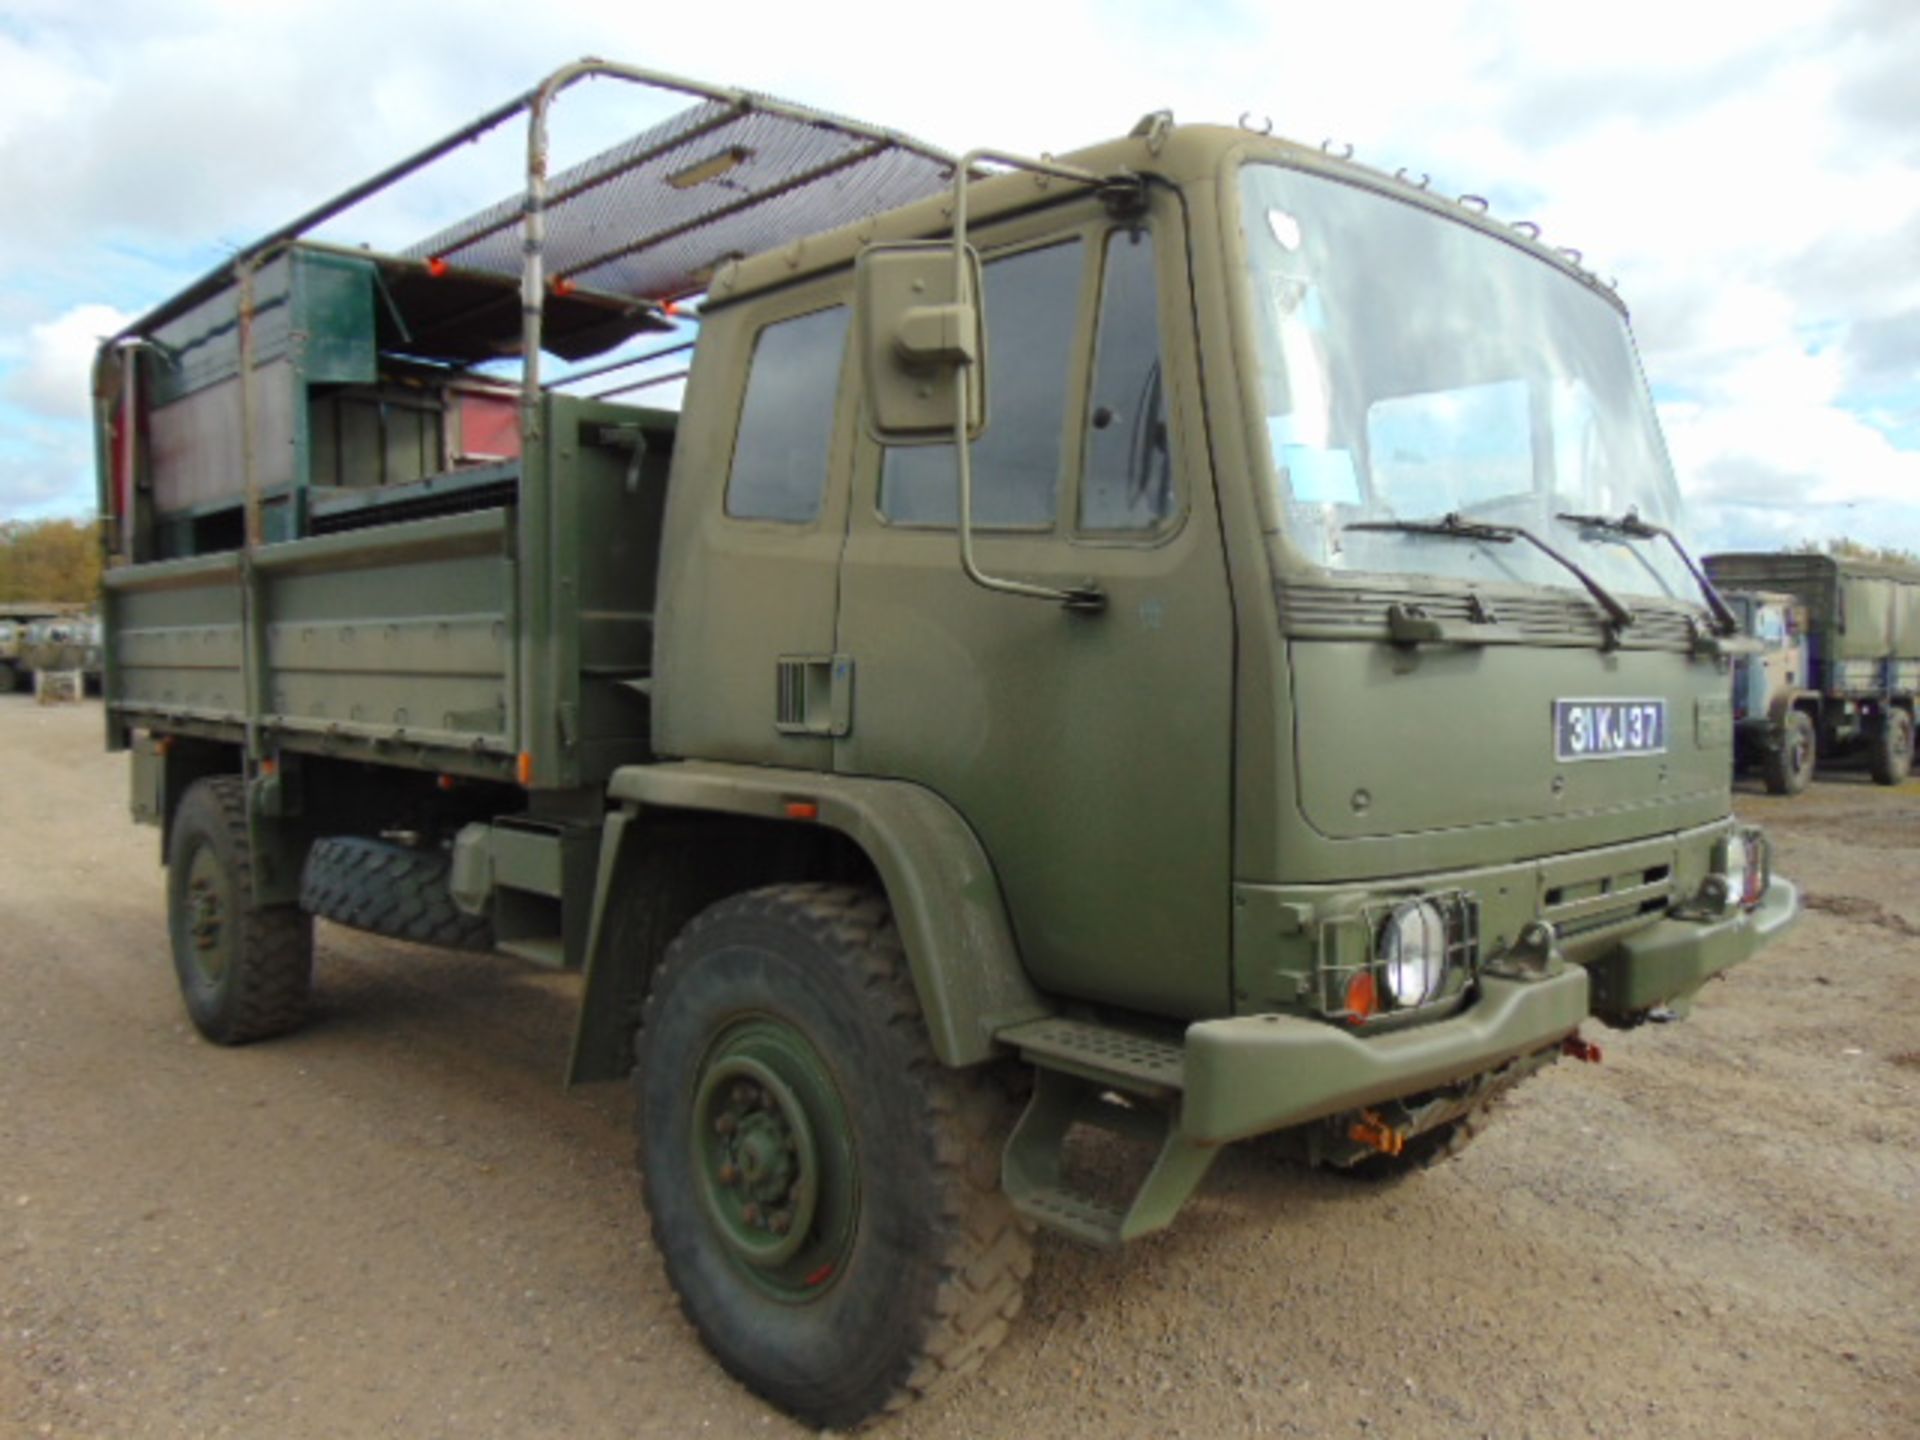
{"x": 1082, "y": 599}
{"x": 1086, "y": 598}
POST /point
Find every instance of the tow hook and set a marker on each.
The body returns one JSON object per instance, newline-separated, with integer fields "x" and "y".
{"x": 1375, "y": 1133}
{"x": 1580, "y": 1049}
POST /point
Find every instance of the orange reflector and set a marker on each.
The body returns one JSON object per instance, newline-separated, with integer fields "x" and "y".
{"x": 669, "y": 308}
{"x": 268, "y": 767}
{"x": 446, "y": 782}
{"x": 802, "y": 810}
{"x": 1363, "y": 998}
{"x": 1372, "y": 1131}
{"x": 562, "y": 285}
{"x": 436, "y": 267}
{"x": 523, "y": 771}
{"x": 163, "y": 745}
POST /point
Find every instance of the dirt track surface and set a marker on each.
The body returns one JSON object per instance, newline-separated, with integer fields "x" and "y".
{"x": 396, "y": 1223}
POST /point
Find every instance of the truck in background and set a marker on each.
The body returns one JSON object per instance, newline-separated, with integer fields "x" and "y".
{"x": 17, "y": 619}
{"x": 1075, "y": 649}
{"x": 1837, "y": 670}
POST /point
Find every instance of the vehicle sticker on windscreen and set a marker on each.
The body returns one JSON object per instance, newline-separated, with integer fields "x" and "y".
{"x": 1604, "y": 729}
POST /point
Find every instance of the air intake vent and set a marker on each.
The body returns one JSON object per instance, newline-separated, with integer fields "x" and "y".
{"x": 813, "y": 695}
{"x": 790, "y": 707}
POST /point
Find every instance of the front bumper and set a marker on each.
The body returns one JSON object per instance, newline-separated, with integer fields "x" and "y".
{"x": 1256, "y": 1073}
{"x": 1671, "y": 960}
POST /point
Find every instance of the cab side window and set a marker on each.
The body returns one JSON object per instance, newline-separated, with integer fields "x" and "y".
{"x": 1127, "y": 478}
{"x": 1032, "y": 304}
{"x": 786, "y": 421}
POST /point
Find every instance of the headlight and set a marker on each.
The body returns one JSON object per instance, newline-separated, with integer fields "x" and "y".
{"x": 1412, "y": 951}
{"x": 1737, "y": 862}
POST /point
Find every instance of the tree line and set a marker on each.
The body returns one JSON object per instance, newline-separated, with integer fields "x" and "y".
{"x": 51, "y": 560}
{"x": 1843, "y": 548}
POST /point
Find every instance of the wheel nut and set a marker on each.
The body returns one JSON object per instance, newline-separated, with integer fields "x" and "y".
{"x": 782, "y": 1221}
{"x": 729, "y": 1174}
{"x": 725, "y": 1123}
{"x": 750, "y": 1213}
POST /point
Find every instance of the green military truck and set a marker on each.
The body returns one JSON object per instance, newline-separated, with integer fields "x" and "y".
{"x": 16, "y": 621}
{"x": 1838, "y": 666}
{"x": 1284, "y": 713}
{"x": 68, "y": 644}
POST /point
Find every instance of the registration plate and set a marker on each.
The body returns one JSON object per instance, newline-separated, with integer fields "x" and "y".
{"x": 1605, "y": 729}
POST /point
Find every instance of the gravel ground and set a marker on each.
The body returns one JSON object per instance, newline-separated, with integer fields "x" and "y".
{"x": 397, "y": 1223}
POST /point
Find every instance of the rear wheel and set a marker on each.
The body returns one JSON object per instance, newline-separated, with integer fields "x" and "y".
{"x": 825, "y": 1195}
{"x": 1789, "y": 766}
{"x": 1892, "y": 758}
{"x": 244, "y": 970}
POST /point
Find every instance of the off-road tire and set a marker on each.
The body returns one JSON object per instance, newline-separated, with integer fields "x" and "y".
{"x": 1891, "y": 756}
{"x": 1788, "y": 766}
{"x": 391, "y": 890}
{"x": 929, "y": 1270}
{"x": 245, "y": 970}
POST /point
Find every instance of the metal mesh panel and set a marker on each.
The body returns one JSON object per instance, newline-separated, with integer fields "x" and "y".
{"x": 650, "y": 218}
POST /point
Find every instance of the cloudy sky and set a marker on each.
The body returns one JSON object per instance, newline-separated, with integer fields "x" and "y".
{"x": 1753, "y": 186}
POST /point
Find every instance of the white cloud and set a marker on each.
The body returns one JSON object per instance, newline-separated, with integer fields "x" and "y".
{"x": 53, "y": 377}
{"x": 1773, "y": 456}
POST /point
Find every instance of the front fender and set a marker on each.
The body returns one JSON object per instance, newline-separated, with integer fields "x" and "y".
{"x": 946, "y": 899}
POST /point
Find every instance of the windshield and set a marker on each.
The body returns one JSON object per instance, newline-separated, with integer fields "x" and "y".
{"x": 1412, "y": 367}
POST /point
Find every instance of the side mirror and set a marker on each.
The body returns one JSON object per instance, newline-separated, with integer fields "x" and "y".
{"x": 921, "y": 345}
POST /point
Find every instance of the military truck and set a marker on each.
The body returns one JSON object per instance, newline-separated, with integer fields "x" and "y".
{"x": 15, "y": 620}
{"x": 67, "y": 645}
{"x": 1840, "y": 667}
{"x": 1175, "y": 645}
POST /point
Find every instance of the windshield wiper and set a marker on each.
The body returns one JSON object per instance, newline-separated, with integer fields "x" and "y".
{"x": 1725, "y": 622}
{"x": 1453, "y": 526}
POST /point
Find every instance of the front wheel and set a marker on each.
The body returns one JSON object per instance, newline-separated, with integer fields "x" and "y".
{"x": 825, "y": 1195}
{"x": 1789, "y": 766}
{"x": 1892, "y": 757}
{"x": 244, "y": 969}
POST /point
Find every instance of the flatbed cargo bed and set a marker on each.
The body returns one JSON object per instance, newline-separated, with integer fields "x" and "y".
{"x": 436, "y": 625}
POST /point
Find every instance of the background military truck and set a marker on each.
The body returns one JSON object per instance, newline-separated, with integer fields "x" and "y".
{"x": 15, "y": 620}
{"x": 65, "y": 645}
{"x": 1840, "y": 664}
{"x": 1270, "y": 719}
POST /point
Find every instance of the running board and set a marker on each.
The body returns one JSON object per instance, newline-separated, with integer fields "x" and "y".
{"x": 1112, "y": 1080}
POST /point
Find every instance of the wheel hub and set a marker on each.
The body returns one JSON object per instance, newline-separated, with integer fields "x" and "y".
{"x": 769, "y": 1143}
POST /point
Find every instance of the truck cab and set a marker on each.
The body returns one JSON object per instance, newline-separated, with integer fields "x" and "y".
{"x": 1374, "y": 635}
{"x": 1774, "y": 710}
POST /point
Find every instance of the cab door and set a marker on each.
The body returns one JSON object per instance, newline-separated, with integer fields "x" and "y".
{"x": 1091, "y": 753}
{"x": 756, "y": 520}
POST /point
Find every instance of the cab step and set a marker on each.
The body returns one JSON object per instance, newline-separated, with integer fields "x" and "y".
{"x": 1106, "y": 1078}
{"x": 1124, "y": 1059}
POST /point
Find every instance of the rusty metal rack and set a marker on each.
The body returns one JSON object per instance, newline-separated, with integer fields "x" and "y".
{"x": 575, "y": 264}
{"x": 636, "y": 227}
